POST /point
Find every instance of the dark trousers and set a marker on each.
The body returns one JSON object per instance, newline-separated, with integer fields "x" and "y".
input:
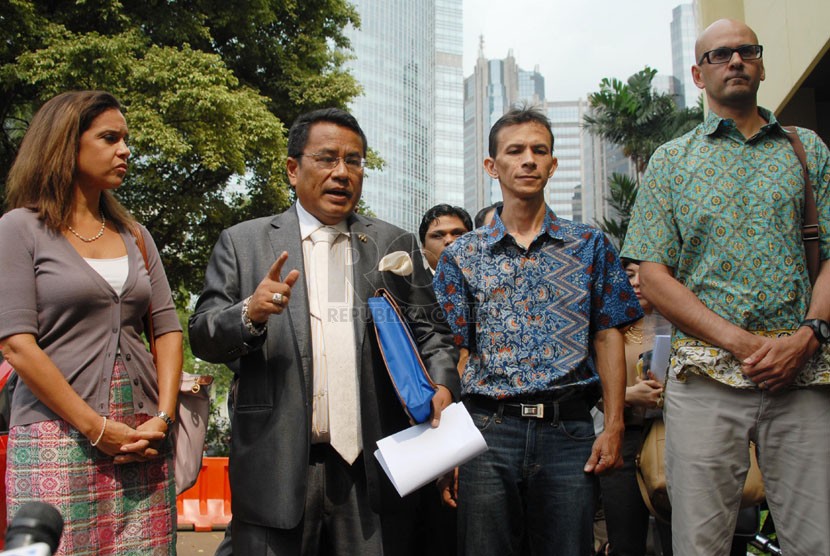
{"x": 337, "y": 521}
{"x": 436, "y": 532}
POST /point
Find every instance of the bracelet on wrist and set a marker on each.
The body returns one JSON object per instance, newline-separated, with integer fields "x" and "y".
{"x": 254, "y": 328}
{"x": 101, "y": 435}
{"x": 166, "y": 418}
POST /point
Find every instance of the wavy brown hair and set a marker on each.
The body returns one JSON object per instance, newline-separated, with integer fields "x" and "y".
{"x": 43, "y": 173}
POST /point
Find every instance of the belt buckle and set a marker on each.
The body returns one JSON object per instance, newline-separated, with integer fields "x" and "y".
{"x": 533, "y": 410}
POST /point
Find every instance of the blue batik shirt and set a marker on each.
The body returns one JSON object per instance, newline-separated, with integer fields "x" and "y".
{"x": 528, "y": 315}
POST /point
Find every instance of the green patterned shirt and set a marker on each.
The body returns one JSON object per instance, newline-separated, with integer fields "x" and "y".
{"x": 725, "y": 213}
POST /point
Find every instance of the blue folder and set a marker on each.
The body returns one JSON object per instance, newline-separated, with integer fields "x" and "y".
{"x": 413, "y": 385}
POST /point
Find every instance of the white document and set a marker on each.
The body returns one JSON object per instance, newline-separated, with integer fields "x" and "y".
{"x": 660, "y": 357}
{"x": 420, "y": 454}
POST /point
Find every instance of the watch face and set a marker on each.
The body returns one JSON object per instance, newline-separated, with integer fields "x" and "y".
{"x": 824, "y": 330}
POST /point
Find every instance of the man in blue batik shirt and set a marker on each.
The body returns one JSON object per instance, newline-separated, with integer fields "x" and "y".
{"x": 536, "y": 304}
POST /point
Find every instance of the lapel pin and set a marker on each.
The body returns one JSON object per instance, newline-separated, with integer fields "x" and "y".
{"x": 362, "y": 237}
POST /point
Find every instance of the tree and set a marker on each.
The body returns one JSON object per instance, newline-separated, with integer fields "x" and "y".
{"x": 638, "y": 119}
{"x": 623, "y": 192}
{"x": 208, "y": 87}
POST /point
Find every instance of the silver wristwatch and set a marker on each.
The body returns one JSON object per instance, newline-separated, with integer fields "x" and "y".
{"x": 166, "y": 418}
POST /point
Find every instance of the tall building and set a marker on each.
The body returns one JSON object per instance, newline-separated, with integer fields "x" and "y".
{"x": 449, "y": 103}
{"x": 566, "y": 190}
{"x": 668, "y": 85}
{"x": 395, "y": 63}
{"x": 683, "y": 36}
{"x": 494, "y": 87}
{"x": 602, "y": 160}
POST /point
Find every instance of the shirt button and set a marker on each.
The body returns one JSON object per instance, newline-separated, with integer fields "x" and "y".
{"x": 135, "y": 381}
{"x": 140, "y": 404}
{"x": 128, "y": 357}
{"x": 114, "y": 330}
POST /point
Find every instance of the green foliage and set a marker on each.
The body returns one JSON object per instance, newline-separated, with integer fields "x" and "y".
{"x": 634, "y": 117}
{"x": 623, "y": 192}
{"x": 209, "y": 89}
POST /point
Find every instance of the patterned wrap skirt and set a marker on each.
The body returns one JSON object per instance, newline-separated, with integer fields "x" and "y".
{"x": 108, "y": 509}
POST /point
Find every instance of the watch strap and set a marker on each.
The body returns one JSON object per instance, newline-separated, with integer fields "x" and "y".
{"x": 165, "y": 417}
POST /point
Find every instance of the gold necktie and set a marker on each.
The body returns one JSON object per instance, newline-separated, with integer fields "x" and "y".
{"x": 334, "y": 306}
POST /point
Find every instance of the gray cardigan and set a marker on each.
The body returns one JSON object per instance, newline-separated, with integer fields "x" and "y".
{"x": 80, "y": 322}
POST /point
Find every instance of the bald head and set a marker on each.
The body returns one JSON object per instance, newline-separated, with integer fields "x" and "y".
{"x": 713, "y": 36}
{"x": 729, "y": 68}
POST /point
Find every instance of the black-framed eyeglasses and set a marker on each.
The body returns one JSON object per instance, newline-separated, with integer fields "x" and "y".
{"x": 329, "y": 162}
{"x": 723, "y": 54}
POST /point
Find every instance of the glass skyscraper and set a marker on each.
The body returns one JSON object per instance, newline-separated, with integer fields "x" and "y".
{"x": 449, "y": 103}
{"x": 408, "y": 61}
{"x": 494, "y": 87}
{"x": 683, "y": 36}
{"x": 564, "y": 192}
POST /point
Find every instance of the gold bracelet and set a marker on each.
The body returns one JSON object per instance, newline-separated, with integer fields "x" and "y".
{"x": 100, "y": 436}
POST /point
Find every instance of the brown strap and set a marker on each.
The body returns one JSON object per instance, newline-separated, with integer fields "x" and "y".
{"x": 149, "y": 331}
{"x": 809, "y": 228}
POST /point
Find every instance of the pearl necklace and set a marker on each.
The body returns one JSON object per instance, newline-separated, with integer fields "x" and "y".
{"x": 96, "y": 236}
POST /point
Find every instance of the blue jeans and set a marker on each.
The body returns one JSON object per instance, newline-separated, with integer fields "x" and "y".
{"x": 527, "y": 494}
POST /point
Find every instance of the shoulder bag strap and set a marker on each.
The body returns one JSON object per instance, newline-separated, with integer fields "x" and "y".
{"x": 149, "y": 332}
{"x": 809, "y": 229}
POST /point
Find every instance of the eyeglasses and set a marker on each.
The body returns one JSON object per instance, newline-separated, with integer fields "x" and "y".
{"x": 723, "y": 54}
{"x": 328, "y": 162}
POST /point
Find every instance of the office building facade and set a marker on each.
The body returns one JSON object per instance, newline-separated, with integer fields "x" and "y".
{"x": 494, "y": 87}
{"x": 683, "y": 37}
{"x": 411, "y": 107}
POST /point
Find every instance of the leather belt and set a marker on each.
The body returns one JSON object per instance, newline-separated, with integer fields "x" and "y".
{"x": 567, "y": 410}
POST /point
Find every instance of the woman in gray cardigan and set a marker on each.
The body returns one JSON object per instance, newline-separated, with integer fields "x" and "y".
{"x": 91, "y": 411}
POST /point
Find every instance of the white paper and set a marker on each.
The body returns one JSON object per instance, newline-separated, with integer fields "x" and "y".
{"x": 415, "y": 456}
{"x": 660, "y": 356}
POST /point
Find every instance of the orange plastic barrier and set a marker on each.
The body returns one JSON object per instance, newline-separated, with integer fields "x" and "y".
{"x": 207, "y": 504}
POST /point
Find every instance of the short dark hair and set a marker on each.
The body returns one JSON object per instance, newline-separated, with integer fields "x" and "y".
{"x": 298, "y": 134}
{"x": 516, "y": 116}
{"x": 443, "y": 210}
{"x": 482, "y": 214}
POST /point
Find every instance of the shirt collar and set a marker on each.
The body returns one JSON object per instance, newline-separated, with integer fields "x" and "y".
{"x": 715, "y": 123}
{"x": 552, "y": 226}
{"x": 309, "y": 223}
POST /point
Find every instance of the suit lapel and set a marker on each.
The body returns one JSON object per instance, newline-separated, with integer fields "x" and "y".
{"x": 285, "y": 236}
{"x": 366, "y": 259}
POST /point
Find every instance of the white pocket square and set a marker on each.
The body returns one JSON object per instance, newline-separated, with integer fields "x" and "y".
{"x": 399, "y": 263}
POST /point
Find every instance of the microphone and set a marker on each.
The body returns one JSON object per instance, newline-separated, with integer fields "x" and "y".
{"x": 35, "y": 522}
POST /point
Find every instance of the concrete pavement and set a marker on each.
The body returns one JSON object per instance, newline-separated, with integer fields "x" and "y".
{"x": 191, "y": 543}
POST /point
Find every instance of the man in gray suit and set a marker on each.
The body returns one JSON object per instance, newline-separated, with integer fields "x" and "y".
{"x": 314, "y": 396}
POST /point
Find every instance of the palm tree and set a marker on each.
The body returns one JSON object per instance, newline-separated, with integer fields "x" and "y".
{"x": 623, "y": 191}
{"x": 638, "y": 119}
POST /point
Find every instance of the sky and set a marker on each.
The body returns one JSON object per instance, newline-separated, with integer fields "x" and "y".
{"x": 575, "y": 43}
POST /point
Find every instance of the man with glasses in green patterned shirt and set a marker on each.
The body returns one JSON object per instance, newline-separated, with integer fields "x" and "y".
{"x": 717, "y": 228}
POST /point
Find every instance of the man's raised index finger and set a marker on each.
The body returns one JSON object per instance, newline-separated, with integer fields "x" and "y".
{"x": 276, "y": 269}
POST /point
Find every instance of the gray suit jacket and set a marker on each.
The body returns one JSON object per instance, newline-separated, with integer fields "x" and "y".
{"x": 272, "y": 420}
